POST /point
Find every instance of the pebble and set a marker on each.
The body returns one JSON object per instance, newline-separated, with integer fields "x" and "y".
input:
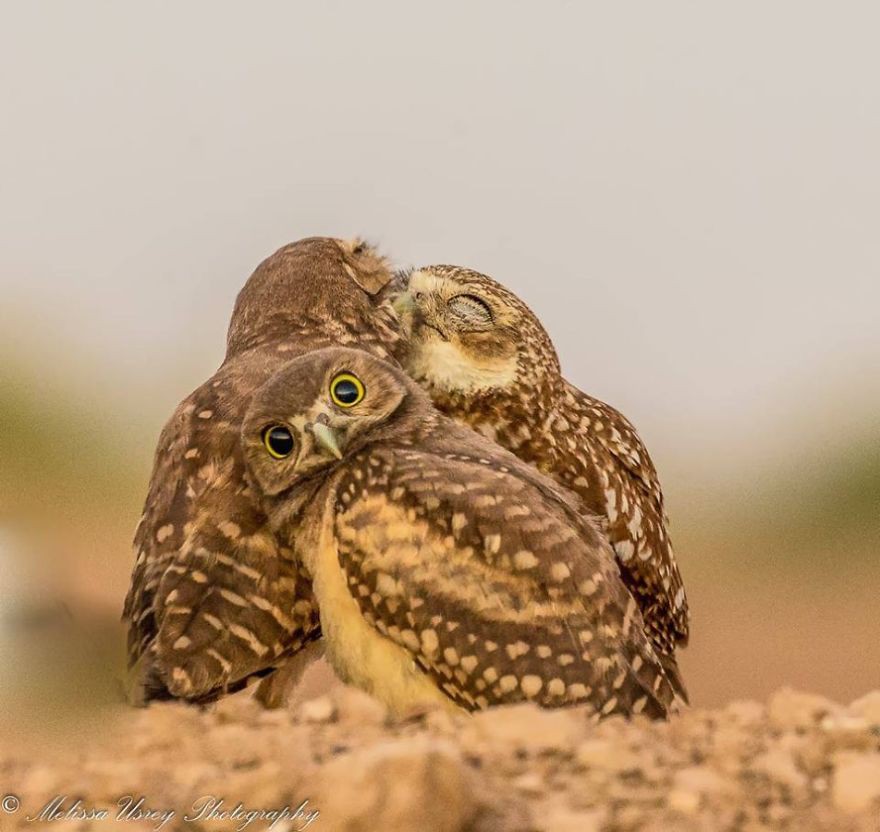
{"x": 856, "y": 784}
{"x": 607, "y": 755}
{"x": 530, "y": 783}
{"x": 683, "y": 800}
{"x": 868, "y": 707}
{"x": 701, "y": 780}
{"x": 527, "y": 726}
{"x": 789, "y": 709}
{"x": 316, "y": 711}
{"x": 778, "y": 764}
{"x": 357, "y": 707}
{"x": 410, "y": 784}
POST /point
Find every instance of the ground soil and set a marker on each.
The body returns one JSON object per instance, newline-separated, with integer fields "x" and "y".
{"x": 797, "y": 762}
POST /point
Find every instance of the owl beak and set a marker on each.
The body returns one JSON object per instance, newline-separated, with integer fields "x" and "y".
{"x": 327, "y": 439}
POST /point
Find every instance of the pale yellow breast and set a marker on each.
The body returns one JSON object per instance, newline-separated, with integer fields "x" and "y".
{"x": 359, "y": 654}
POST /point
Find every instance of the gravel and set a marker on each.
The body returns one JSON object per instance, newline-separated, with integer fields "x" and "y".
{"x": 798, "y": 762}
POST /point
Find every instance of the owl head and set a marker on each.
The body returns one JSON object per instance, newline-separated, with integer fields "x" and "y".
{"x": 309, "y": 283}
{"x": 321, "y": 408}
{"x": 463, "y": 332}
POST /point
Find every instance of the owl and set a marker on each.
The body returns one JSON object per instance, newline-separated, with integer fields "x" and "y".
{"x": 214, "y": 599}
{"x": 485, "y": 360}
{"x": 447, "y": 571}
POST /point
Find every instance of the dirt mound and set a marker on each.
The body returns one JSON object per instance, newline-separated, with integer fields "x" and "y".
{"x": 800, "y": 762}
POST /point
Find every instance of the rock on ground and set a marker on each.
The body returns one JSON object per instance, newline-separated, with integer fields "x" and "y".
{"x": 800, "y": 762}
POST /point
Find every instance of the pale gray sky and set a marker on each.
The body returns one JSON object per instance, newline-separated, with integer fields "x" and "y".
{"x": 687, "y": 193}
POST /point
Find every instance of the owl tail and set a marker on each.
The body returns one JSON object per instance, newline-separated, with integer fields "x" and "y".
{"x": 670, "y": 666}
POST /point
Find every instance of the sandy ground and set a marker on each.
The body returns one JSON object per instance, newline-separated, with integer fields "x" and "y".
{"x": 798, "y": 762}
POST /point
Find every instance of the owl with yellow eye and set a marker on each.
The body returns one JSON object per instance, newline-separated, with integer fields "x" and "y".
{"x": 447, "y": 571}
{"x": 215, "y": 601}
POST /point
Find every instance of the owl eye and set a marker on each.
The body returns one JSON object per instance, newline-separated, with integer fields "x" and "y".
{"x": 278, "y": 441}
{"x": 346, "y": 390}
{"x": 471, "y": 309}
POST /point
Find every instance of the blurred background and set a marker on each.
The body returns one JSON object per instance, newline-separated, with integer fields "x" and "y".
{"x": 687, "y": 194}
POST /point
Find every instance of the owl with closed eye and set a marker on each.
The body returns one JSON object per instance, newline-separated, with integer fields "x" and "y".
{"x": 215, "y": 600}
{"x": 486, "y": 360}
{"x": 447, "y": 571}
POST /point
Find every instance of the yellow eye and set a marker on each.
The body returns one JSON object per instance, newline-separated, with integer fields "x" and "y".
{"x": 346, "y": 390}
{"x": 278, "y": 441}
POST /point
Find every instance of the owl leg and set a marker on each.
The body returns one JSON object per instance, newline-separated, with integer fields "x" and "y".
{"x": 275, "y": 691}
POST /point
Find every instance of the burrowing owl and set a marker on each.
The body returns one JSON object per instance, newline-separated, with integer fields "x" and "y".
{"x": 214, "y": 599}
{"x": 486, "y": 360}
{"x": 446, "y": 569}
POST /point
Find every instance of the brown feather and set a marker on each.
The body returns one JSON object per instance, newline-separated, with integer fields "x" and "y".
{"x": 214, "y": 599}
{"x": 488, "y": 575}
{"x": 502, "y": 377}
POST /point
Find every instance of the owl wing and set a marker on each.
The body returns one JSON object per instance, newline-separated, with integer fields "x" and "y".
{"x": 618, "y": 436}
{"x": 214, "y": 599}
{"x": 500, "y": 593}
{"x": 629, "y": 495}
